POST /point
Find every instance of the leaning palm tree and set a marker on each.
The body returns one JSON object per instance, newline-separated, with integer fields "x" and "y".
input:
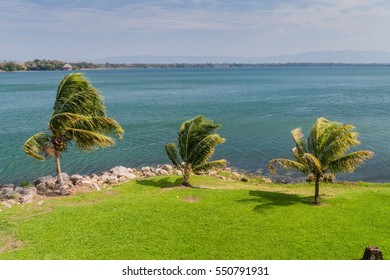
{"x": 324, "y": 152}
{"x": 196, "y": 141}
{"x": 78, "y": 115}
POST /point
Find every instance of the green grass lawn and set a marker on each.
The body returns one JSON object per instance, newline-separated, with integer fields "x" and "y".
{"x": 153, "y": 219}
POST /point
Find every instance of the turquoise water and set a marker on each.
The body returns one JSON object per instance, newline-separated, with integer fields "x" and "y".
{"x": 256, "y": 107}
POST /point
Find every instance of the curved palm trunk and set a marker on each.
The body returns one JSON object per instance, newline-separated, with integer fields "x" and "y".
{"x": 58, "y": 169}
{"x": 186, "y": 175}
{"x": 317, "y": 191}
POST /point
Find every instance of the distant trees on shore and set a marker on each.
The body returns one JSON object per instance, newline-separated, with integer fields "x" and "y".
{"x": 56, "y": 65}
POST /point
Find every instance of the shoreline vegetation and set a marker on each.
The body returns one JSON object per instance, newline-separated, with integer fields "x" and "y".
{"x": 57, "y": 65}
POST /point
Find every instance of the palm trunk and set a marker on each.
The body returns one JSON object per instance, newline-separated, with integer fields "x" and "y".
{"x": 186, "y": 175}
{"x": 58, "y": 169}
{"x": 317, "y": 192}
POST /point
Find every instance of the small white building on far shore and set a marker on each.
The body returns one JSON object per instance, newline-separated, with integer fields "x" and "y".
{"x": 67, "y": 67}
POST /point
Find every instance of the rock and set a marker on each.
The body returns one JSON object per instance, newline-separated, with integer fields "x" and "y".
{"x": 29, "y": 198}
{"x": 105, "y": 177}
{"x": 372, "y": 253}
{"x": 7, "y": 192}
{"x": 112, "y": 180}
{"x": 64, "y": 191}
{"x": 3, "y": 186}
{"x": 148, "y": 174}
{"x": 146, "y": 169}
{"x": 160, "y": 171}
{"x": 76, "y": 177}
{"x": 49, "y": 181}
{"x": 41, "y": 186}
{"x": 119, "y": 171}
{"x": 20, "y": 190}
{"x": 31, "y": 190}
{"x": 167, "y": 168}
{"x": 84, "y": 183}
{"x": 40, "y": 203}
{"x": 95, "y": 187}
{"x": 122, "y": 179}
{"x": 131, "y": 176}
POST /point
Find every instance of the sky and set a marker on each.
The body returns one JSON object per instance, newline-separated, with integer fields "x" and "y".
{"x": 74, "y": 30}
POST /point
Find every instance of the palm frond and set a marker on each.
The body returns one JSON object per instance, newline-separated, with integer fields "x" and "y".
{"x": 285, "y": 164}
{"x": 338, "y": 139}
{"x": 211, "y": 165}
{"x": 88, "y": 140}
{"x": 35, "y": 145}
{"x": 75, "y": 94}
{"x": 314, "y": 164}
{"x": 349, "y": 162}
{"x": 297, "y": 136}
{"x": 204, "y": 149}
{"x": 173, "y": 154}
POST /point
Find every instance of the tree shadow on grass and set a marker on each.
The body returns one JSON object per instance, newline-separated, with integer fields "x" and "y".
{"x": 165, "y": 182}
{"x": 268, "y": 200}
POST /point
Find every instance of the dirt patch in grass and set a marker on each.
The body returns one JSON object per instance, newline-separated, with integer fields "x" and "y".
{"x": 191, "y": 198}
{"x": 8, "y": 243}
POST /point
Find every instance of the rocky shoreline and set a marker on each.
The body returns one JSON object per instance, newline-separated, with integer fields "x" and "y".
{"x": 47, "y": 186}
{"x": 42, "y": 187}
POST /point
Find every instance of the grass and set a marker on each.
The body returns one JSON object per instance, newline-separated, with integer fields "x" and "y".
{"x": 153, "y": 219}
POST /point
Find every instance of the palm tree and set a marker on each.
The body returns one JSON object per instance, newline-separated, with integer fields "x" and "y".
{"x": 324, "y": 152}
{"x": 78, "y": 115}
{"x": 196, "y": 141}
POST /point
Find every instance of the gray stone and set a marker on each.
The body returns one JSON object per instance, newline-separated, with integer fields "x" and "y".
{"x": 167, "y": 167}
{"x": 49, "y": 181}
{"x": 76, "y": 177}
{"x": 20, "y": 190}
{"x": 146, "y": 169}
{"x": 64, "y": 191}
{"x": 41, "y": 186}
{"x": 160, "y": 171}
{"x": 122, "y": 179}
{"x": 105, "y": 177}
{"x": 31, "y": 190}
{"x": 3, "y": 186}
{"x": 29, "y": 198}
{"x": 112, "y": 180}
{"x": 131, "y": 176}
{"x": 95, "y": 187}
{"x": 7, "y": 192}
{"x": 84, "y": 183}
{"x": 119, "y": 171}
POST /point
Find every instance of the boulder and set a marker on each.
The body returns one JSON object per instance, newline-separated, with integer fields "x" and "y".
{"x": 122, "y": 179}
{"x": 76, "y": 177}
{"x": 167, "y": 168}
{"x": 95, "y": 187}
{"x": 119, "y": 171}
{"x": 31, "y": 190}
{"x": 3, "y": 186}
{"x": 146, "y": 169}
{"x": 49, "y": 181}
{"x": 372, "y": 253}
{"x": 131, "y": 176}
{"x": 28, "y": 198}
{"x": 112, "y": 180}
{"x": 7, "y": 192}
{"x": 20, "y": 190}
{"x": 160, "y": 171}
{"x": 85, "y": 182}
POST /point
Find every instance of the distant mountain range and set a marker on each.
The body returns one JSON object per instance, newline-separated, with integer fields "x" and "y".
{"x": 308, "y": 57}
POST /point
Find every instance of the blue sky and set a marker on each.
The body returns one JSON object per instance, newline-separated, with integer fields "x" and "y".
{"x": 84, "y": 29}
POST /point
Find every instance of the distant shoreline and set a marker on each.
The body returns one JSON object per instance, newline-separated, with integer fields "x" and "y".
{"x": 56, "y": 65}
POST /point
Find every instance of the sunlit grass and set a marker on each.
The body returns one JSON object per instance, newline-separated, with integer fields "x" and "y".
{"x": 155, "y": 219}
